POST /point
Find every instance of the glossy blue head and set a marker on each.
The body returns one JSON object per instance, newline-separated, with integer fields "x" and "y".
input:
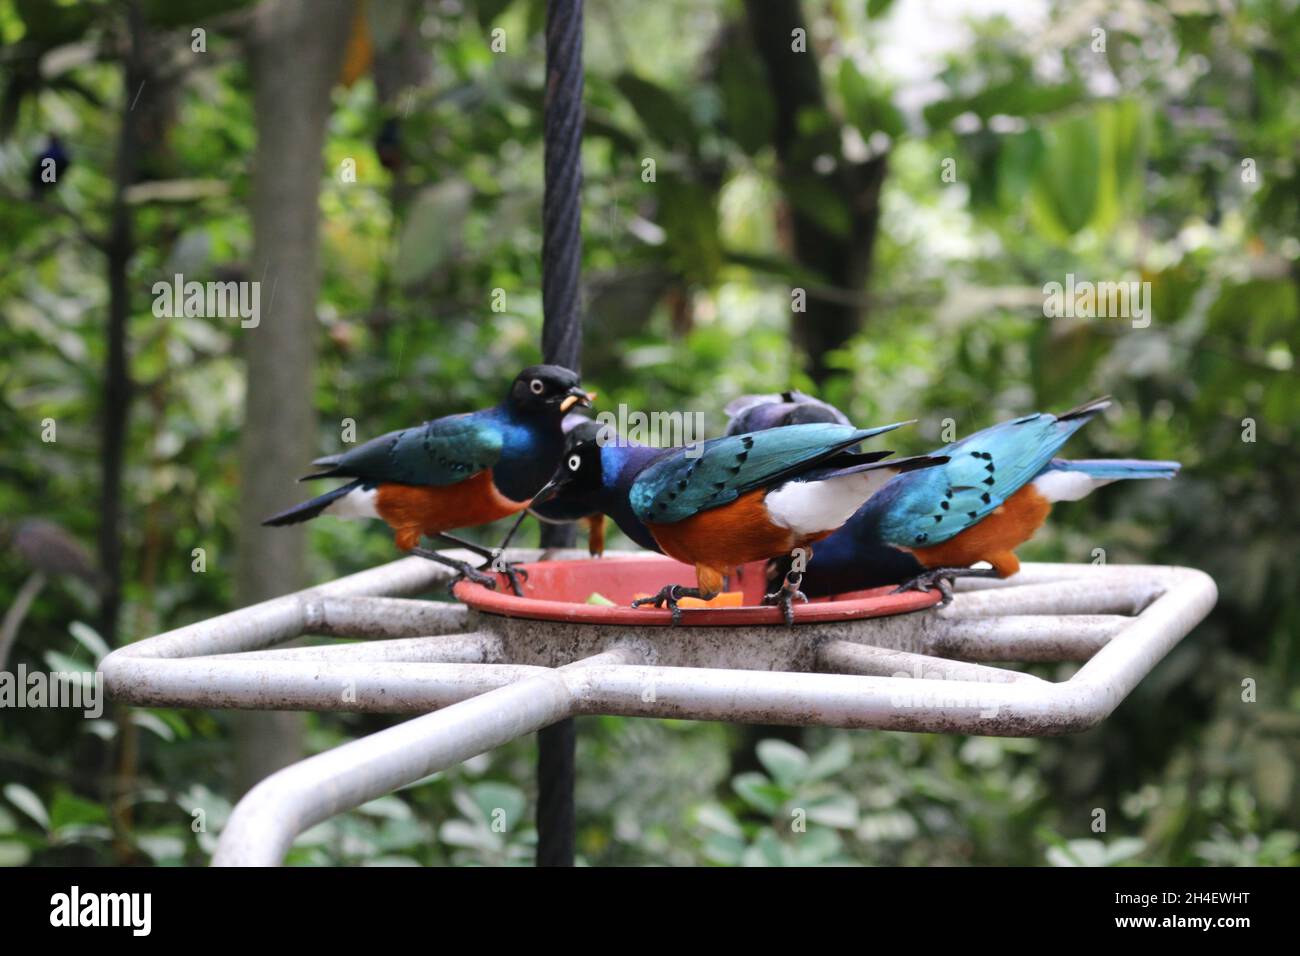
{"x": 596, "y": 469}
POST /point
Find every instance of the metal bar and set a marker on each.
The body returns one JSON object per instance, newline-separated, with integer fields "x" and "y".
{"x": 1014, "y": 637}
{"x": 478, "y": 647}
{"x": 263, "y": 825}
{"x": 1096, "y": 594}
{"x": 1018, "y": 709}
{"x": 735, "y": 674}
{"x": 364, "y": 687}
{"x": 845, "y": 657}
{"x": 1118, "y": 667}
{"x": 382, "y": 617}
{"x": 1028, "y": 638}
{"x": 354, "y": 681}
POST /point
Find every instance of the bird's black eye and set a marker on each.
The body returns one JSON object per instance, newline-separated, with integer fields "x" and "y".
{"x": 536, "y": 386}
{"x": 922, "y": 537}
{"x": 574, "y": 463}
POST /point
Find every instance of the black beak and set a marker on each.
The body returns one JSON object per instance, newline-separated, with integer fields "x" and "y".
{"x": 550, "y": 490}
{"x": 576, "y": 396}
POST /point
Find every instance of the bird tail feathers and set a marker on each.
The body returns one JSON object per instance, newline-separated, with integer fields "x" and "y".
{"x": 1117, "y": 469}
{"x": 310, "y": 509}
{"x": 1086, "y": 410}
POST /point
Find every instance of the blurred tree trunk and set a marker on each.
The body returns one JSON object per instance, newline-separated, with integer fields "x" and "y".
{"x": 835, "y": 315}
{"x": 832, "y": 316}
{"x": 295, "y": 51}
{"x": 118, "y": 388}
{"x": 117, "y": 373}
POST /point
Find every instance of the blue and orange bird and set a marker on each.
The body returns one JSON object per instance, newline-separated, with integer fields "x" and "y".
{"x": 927, "y": 527}
{"x": 730, "y": 500}
{"x": 562, "y": 508}
{"x": 453, "y": 472}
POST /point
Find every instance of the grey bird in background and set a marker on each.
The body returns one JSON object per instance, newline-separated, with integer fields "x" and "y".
{"x": 754, "y": 413}
{"x": 50, "y": 551}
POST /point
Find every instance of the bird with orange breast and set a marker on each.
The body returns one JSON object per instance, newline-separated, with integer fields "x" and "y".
{"x": 453, "y": 472}
{"x": 730, "y": 500}
{"x": 926, "y": 528}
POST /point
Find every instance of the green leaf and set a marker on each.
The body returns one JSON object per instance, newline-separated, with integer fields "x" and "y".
{"x": 1019, "y": 156}
{"x": 28, "y": 802}
{"x": 759, "y": 792}
{"x": 68, "y": 810}
{"x": 1120, "y": 129}
{"x": 746, "y": 100}
{"x": 878, "y": 8}
{"x": 688, "y": 213}
{"x": 867, "y": 106}
{"x": 1068, "y": 183}
{"x": 162, "y": 847}
{"x": 1017, "y": 97}
{"x": 388, "y": 807}
{"x": 13, "y": 853}
{"x": 79, "y": 672}
{"x": 1125, "y": 848}
{"x": 718, "y": 819}
{"x": 492, "y": 797}
{"x": 1078, "y": 853}
{"x": 725, "y": 850}
{"x": 89, "y": 638}
{"x": 832, "y": 759}
{"x": 466, "y": 834}
{"x": 432, "y": 232}
{"x": 488, "y": 10}
{"x": 839, "y": 810}
{"x": 660, "y": 113}
{"x": 787, "y": 764}
{"x": 767, "y": 850}
{"x": 817, "y": 846}
{"x": 817, "y": 200}
{"x": 152, "y": 722}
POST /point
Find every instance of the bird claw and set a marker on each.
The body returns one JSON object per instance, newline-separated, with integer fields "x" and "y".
{"x": 929, "y": 581}
{"x": 512, "y": 572}
{"x": 473, "y": 575}
{"x": 784, "y": 597}
{"x": 668, "y": 594}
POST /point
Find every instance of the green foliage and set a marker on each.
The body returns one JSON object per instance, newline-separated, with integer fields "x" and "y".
{"x": 1127, "y": 163}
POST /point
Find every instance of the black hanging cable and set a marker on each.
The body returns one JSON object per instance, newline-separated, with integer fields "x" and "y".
{"x": 562, "y": 201}
{"x": 561, "y": 345}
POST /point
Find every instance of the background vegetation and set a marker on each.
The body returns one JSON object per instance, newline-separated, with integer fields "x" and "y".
{"x": 1164, "y": 152}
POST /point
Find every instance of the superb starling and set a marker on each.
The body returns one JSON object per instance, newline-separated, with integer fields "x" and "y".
{"x": 453, "y": 472}
{"x": 730, "y": 500}
{"x": 927, "y": 527}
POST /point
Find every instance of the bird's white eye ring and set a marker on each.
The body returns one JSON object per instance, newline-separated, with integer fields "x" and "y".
{"x": 574, "y": 463}
{"x": 536, "y": 386}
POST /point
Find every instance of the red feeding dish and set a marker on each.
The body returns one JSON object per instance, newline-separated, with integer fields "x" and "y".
{"x": 559, "y": 591}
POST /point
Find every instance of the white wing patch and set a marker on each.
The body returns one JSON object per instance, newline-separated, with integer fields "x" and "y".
{"x": 810, "y": 507}
{"x": 1061, "y": 485}
{"x": 358, "y": 503}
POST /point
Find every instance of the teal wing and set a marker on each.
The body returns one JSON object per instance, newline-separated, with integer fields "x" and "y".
{"x": 678, "y": 486}
{"x": 440, "y": 452}
{"x": 929, "y": 507}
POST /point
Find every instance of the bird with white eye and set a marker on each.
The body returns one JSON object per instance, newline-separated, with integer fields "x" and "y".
{"x": 729, "y": 501}
{"x": 454, "y": 472}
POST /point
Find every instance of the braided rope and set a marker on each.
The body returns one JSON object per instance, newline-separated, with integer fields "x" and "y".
{"x": 561, "y": 345}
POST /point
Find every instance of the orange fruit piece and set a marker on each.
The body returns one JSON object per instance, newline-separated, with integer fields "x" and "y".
{"x": 725, "y": 599}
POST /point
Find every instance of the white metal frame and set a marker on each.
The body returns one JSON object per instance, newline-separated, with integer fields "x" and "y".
{"x": 490, "y": 679}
